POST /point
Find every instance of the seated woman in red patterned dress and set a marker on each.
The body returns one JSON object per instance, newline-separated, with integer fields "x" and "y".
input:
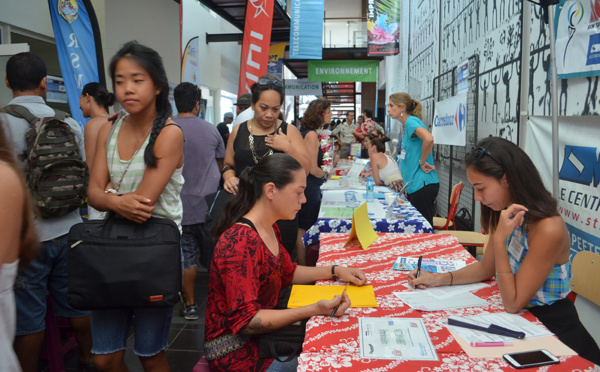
{"x": 250, "y": 267}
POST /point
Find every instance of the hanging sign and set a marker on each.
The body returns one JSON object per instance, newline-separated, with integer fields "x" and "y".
{"x": 306, "y": 29}
{"x": 77, "y": 41}
{"x": 577, "y": 38}
{"x": 257, "y": 39}
{"x": 352, "y": 70}
{"x": 383, "y": 27}
{"x": 450, "y": 121}
{"x": 302, "y": 87}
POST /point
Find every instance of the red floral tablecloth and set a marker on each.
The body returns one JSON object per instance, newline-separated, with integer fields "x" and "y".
{"x": 331, "y": 344}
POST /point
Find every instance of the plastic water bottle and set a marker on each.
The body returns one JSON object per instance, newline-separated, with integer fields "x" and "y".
{"x": 370, "y": 190}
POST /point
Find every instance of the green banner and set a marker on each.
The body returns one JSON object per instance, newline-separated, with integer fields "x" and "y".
{"x": 326, "y": 71}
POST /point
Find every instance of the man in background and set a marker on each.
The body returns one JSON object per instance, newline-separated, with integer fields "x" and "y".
{"x": 244, "y": 111}
{"x": 223, "y": 126}
{"x": 26, "y": 77}
{"x": 203, "y": 153}
{"x": 343, "y": 133}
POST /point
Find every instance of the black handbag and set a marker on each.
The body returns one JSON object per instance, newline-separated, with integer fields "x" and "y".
{"x": 285, "y": 343}
{"x": 116, "y": 263}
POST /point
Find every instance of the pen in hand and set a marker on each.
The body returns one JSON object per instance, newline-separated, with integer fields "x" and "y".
{"x": 419, "y": 266}
{"x": 335, "y": 309}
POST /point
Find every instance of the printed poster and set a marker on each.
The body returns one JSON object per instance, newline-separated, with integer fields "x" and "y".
{"x": 450, "y": 121}
{"x": 383, "y": 27}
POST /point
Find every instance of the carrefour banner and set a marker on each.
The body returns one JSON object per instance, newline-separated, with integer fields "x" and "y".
{"x": 79, "y": 48}
{"x": 255, "y": 47}
{"x": 577, "y": 38}
{"x": 450, "y": 121}
{"x": 306, "y": 29}
{"x": 350, "y": 70}
{"x": 302, "y": 87}
{"x": 579, "y": 179}
{"x": 383, "y": 26}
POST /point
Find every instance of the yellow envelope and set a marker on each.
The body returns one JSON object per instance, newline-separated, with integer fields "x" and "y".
{"x": 361, "y": 228}
{"x": 303, "y": 295}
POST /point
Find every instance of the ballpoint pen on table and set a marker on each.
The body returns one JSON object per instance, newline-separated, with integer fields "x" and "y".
{"x": 491, "y": 344}
{"x": 419, "y": 266}
{"x": 492, "y": 328}
{"x": 335, "y": 309}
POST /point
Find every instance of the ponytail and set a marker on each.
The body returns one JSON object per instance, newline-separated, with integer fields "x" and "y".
{"x": 276, "y": 168}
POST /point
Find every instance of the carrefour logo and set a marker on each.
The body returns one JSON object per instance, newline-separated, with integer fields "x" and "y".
{"x": 460, "y": 118}
{"x": 581, "y": 165}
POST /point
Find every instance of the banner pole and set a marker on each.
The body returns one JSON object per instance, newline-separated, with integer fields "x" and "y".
{"x": 554, "y": 98}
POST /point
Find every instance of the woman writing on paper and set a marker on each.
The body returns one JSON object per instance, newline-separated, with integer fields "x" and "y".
{"x": 528, "y": 249}
{"x": 250, "y": 266}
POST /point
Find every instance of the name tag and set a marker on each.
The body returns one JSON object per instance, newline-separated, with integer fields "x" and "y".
{"x": 515, "y": 248}
{"x": 402, "y": 154}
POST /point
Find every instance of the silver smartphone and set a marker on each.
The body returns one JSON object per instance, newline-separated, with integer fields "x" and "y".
{"x": 529, "y": 359}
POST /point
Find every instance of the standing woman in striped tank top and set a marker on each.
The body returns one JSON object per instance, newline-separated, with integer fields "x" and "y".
{"x": 137, "y": 174}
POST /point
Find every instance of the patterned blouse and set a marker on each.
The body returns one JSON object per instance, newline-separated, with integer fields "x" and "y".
{"x": 557, "y": 285}
{"x": 244, "y": 278}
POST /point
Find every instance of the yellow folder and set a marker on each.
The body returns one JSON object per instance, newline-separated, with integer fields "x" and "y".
{"x": 303, "y": 295}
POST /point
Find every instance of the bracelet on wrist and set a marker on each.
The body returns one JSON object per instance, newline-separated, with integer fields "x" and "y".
{"x": 451, "y": 277}
{"x": 333, "y": 276}
{"x": 225, "y": 169}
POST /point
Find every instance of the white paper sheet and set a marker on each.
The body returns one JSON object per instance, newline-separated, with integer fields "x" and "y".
{"x": 395, "y": 338}
{"x": 422, "y": 300}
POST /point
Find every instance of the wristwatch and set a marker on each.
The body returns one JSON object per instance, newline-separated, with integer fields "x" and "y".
{"x": 333, "y": 276}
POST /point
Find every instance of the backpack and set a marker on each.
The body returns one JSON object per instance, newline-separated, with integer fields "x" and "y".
{"x": 56, "y": 173}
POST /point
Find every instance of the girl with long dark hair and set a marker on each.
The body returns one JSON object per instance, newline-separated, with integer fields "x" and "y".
{"x": 529, "y": 246}
{"x": 140, "y": 158}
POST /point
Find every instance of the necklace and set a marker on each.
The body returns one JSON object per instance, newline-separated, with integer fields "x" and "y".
{"x": 114, "y": 155}
{"x": 255, "y": 157}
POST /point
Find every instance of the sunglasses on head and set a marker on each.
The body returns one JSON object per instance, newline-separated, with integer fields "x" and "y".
{"x": 263, "y": 81}
{"x": 479, "y": 152}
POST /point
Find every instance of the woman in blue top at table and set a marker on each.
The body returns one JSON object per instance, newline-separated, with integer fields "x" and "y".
{"x": 528, "y": 249}
{"x": 416, "y": 157}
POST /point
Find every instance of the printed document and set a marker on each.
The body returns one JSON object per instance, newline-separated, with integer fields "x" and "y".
{"x": 422, "y": 300}
{"x": 395, "y": 338}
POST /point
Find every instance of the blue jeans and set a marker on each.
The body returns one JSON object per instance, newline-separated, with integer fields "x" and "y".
{"x": 47, "y": 272}
{"x": 110, "y": 329}
{"x": 278, "y": 366}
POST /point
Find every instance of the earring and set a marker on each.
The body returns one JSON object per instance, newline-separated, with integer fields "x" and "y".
{"x": 158, "y": 92}
{"x": 401, "y": 114}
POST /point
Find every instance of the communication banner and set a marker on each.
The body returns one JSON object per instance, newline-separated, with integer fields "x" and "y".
{"x": 579, "y": 179}
{"x": 79, "y": 48}
{"x": 577, "y": 38}
{"x": 383, "y": 27}
{"x": 302, "y": 87}
{"x": 352, "y": 70}
{"x": 306, "y": 29}
{"x": 450, "y": 121}
{"x": 257, "y": 39}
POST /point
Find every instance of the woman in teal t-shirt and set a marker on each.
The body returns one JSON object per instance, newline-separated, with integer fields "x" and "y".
{"x": 416, "y": 158}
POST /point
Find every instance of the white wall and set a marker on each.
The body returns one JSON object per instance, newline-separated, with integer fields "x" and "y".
{"x": 32, "y": 15}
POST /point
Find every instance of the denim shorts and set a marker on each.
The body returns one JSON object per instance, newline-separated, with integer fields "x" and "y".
{"x": 110, "y": 329}
{"x": 193, "y": 240}
{"x": 47, "y": 271}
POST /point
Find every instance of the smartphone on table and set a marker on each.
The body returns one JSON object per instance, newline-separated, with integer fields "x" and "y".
{"x": 528, "y": 359}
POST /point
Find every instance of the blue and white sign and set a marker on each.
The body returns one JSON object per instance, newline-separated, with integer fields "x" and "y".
{"x": 306, "y": 29}
{"x": 76, "y": 47}
{"x": 450, "y": 121}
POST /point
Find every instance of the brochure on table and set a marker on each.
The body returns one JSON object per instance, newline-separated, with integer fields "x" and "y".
{"x": 395, "y": 338}
{"x": 431, "y": 265}
{"x": 351, "y": 199}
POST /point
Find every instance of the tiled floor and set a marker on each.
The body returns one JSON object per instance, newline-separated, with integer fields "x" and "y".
{"x": 186, "y": 338}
